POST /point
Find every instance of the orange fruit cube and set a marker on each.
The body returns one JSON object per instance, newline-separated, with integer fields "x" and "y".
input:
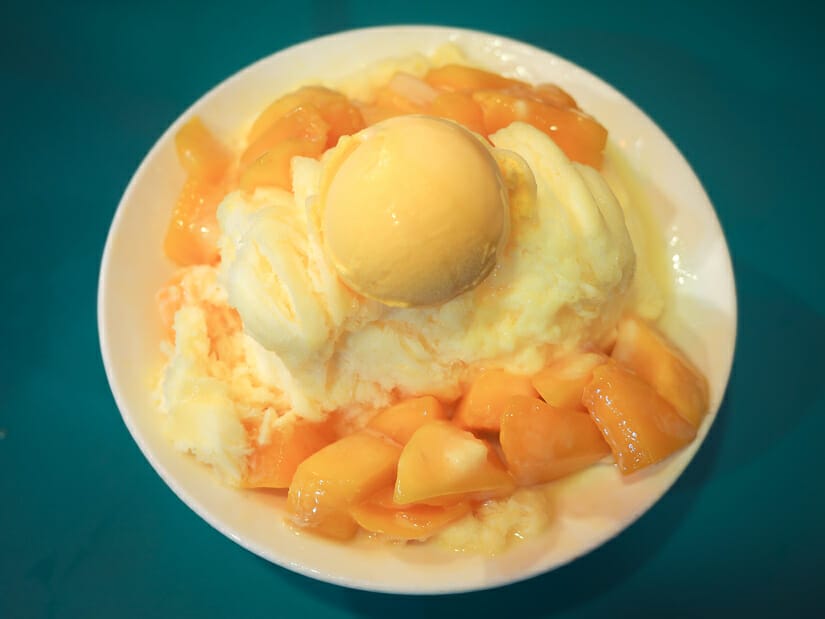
{"x": 461, "y": 108}
{"x": 375, "y": 114}
{"x": 483, "y": 405}
{"x": 273, "y": 464}
{"x": 442, "y": 463}
{"x": 458, "y": 78}
{"x": 200, "y": 153}
{"x": 400, "y": 422}
{"x": 274, "y": 167}
{"x": 302, "y": 123}
{"x": 542, "y": 443}
{"x": 579, "y": 135}
{"x": 192, "y": 234}
{"x": 640, "y": 426}
{"x": 380, "y": 514}
{"x": 330, "y": 481}
{"x": 562, "y": 382}
{"x": 405, "y": 93}
{"x": 646, "y": 351}
{"x": 552, "y": 94}
{"x": 341, "y": 115}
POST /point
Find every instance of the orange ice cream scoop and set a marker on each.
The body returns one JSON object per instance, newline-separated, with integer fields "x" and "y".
{"x": 414, "y": 211}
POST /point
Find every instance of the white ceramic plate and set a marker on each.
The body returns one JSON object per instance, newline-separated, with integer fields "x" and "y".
{"x": 587, "y": 512}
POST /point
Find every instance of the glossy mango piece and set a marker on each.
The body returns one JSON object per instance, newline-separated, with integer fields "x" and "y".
{"x": 374, "y": 113}
{"x": 483, "y": 405}
{"x": 579, "y": 135}
{"x": 442, "y": 463}
{"x": 399, "y": 422}
{"x": 459, "y": 107}
{"x": 648, "y": 353}
{"x": 562, "y": 382}
{"x": 200, "y": 153}
{"x": 304, "y": 123}
{"x": 406, "y": 94}
{"x": 639, "y": 425}
{"x": 192, "y": 234}
{"x": 542, "y": 443}
{"x": 554, "y": 95}
{"x": 273, "y": 464}
{"x": 380, "y": 514}
{"x": 274, "y": 167}
{"x": 459, "y": 78}
{"x": 339, "y": 113}
{"x": 330, "y": 481}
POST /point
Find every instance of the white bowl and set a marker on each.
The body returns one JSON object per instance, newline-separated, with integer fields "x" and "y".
{"x": 587, "y": 513}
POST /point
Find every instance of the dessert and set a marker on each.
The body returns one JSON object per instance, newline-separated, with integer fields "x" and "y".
{"x": 407, "y": 224}
{"x": 414, "y": 309}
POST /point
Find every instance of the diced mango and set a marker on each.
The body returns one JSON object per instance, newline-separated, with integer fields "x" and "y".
{"x": 542, "y": 443}
{"x": 442, "y": 463}
{"x": 274, "y": 168}
{"x": 200, "y": 153}
{"x": 303, "y": 123}
{"x": 375, "y": 114}
{"x": 579, "y": 135}
{"x": 640, "y": 426}
{"x": 380, "y": 514}
{"x": 562, "y": 382}
{"x": 458, "y": 78}
{"x": 459, "y": 107}
{"x": 645, "y": 351}
{"x": 400, "y": 422}
{"x": 273, "y": 464}
{"x": 341, "y": 115}
{"x": 483, "y": 405}
{"x": 329, "y": 482}
{"x": 552, "y": 94}
{"x": 192, "y": 235}
{"x": 405, "y": 93}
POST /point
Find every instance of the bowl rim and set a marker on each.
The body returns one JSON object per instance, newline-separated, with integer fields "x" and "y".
{"x": 192, "y": 502}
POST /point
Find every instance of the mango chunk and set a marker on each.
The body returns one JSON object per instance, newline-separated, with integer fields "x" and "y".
{"x": 380, "y": 514}
{"x": 329, "y": 482}
{"x": 338, "y": 112}
{"x": 459, "y": 107}
{"x": 645, "y": 351}
{"x": 552, "y": 94}
{"x": 192, "y": 234}
{"x": 274, "y": 167}
{"x": 200, "y": 153}
{"x": 578, "y": 134}
{"x": 483, "y": 405}
{"x": 562, "y": 382}
{"x": 304, "y": 123}
{"x": 542, "y": 443}
{"x": 273, "y": 464}
{"x": 400, "y": 422}
{"x": 639, "y": 425}
{"x": 459, "y": 78}
{"x": 442, "y": 463}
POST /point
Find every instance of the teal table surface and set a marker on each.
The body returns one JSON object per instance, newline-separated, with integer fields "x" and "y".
{"x": 88, "y": 529}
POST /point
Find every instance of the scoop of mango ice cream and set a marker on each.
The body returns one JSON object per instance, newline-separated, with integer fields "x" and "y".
{"x": 414, "y": 211}
{"x": 561, "y": 280}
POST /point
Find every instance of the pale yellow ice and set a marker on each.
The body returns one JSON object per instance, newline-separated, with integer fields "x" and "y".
{"x": 414, "y": 211}
{"x": 560, "y": 282}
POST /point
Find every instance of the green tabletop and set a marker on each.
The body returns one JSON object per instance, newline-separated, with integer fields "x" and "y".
{"x": 88, "y": 529}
